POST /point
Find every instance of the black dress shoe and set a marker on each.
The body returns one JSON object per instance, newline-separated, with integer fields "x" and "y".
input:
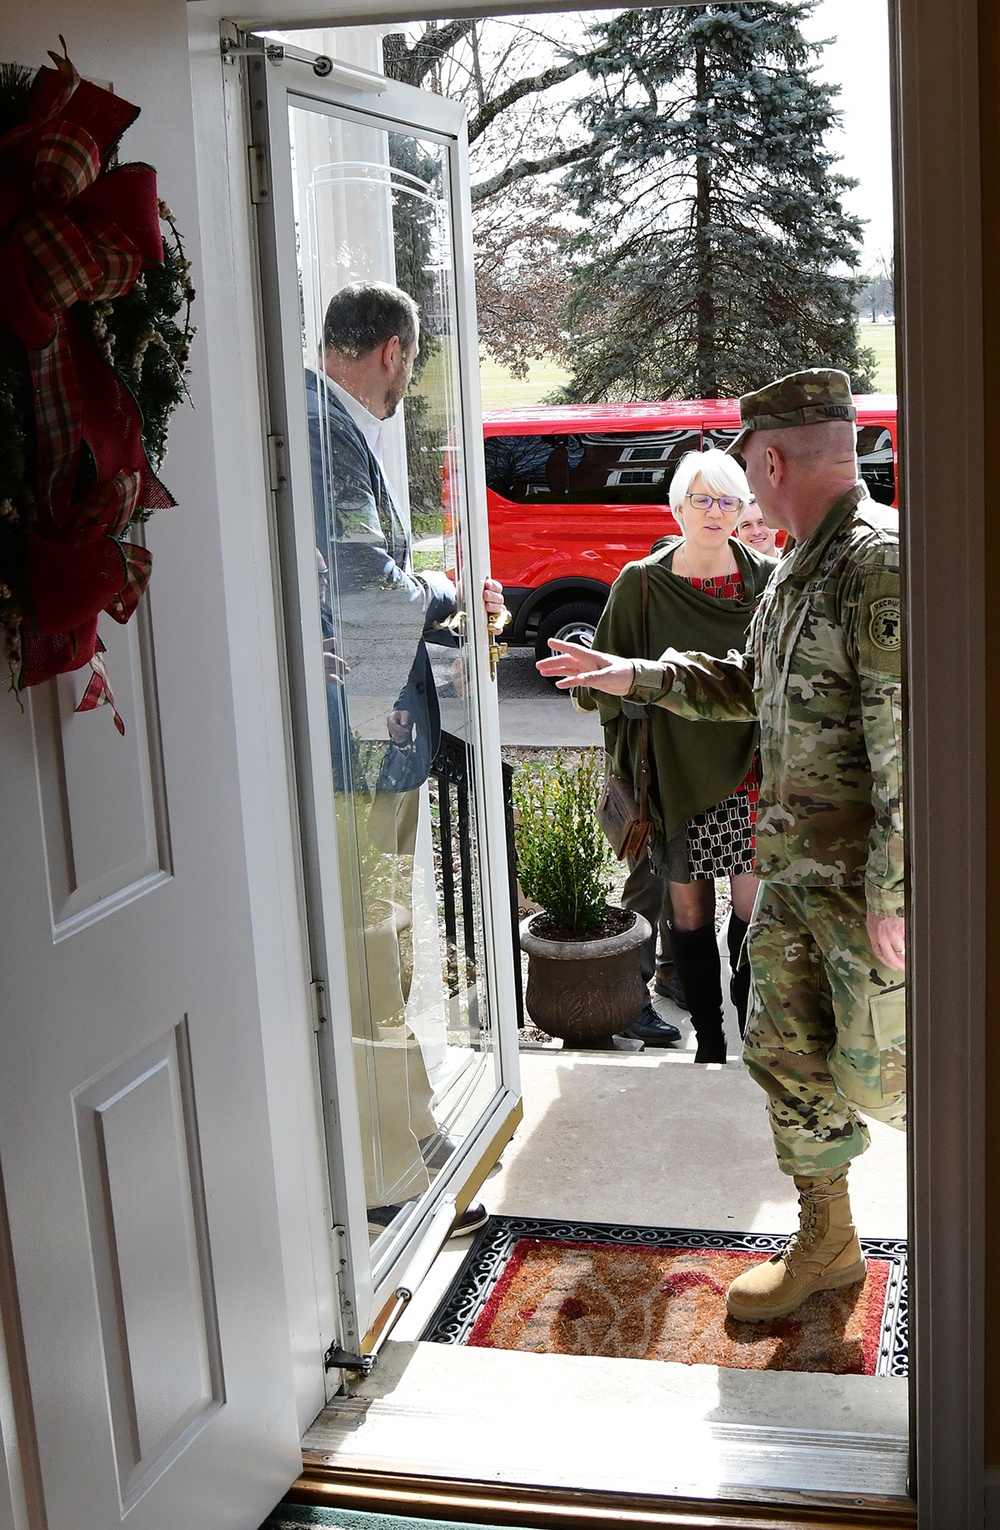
{"x": 653, "y": 1029}
{"x": 670, "y": 988}
{"x": 472, "y": 1219}
{"x": 384, "y": 1216}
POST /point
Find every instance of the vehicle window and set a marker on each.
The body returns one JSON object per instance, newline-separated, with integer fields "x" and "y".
{"x": 627, "y": 467}
{"x": 875, "y": 461}
{"x": 602, "y": 468}
{"x": 531, "y": 469}
{"x": 720, "y": 435}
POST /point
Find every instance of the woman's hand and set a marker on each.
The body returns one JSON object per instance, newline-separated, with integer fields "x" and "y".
{"x": 575, "y": 665}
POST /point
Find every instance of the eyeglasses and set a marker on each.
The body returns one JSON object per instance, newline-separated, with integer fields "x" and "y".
{"x": 726, "y": 503}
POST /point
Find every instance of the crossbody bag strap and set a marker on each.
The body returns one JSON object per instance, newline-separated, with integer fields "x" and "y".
{"x": 644, "y": 755}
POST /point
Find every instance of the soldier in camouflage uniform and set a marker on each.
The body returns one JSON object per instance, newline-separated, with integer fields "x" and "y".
{"x": 821, "y": 672}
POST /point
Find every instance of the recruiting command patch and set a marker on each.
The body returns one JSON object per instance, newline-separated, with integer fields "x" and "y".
{"x": 881, "y": 635}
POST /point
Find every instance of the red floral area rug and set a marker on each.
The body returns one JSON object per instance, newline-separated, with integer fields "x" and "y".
{"x": 659, "y": 1294}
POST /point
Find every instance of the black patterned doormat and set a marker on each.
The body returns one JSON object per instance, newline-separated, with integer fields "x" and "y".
{"x": 597, "y": 1288}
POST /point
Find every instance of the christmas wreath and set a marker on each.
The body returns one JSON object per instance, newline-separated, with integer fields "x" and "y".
{"x": 95, "y": 329}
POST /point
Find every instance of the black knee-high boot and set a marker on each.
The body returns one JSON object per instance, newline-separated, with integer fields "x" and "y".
{"x": 696, "y": 956}
{"x": 739, "y": 983}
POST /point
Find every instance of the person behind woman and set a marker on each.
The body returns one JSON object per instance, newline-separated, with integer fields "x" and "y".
{"x": 752, "y": 531}
{"x": 703, "y": 589}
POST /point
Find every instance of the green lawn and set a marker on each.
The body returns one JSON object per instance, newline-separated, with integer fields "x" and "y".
{"x": 881, "y": 338}
{"x": 501, "y": 390}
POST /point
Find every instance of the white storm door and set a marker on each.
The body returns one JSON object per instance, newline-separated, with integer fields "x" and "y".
{"x": 407, "y": 882}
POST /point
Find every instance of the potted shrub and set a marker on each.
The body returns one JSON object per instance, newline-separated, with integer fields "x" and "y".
{"x": 584, "y": 982}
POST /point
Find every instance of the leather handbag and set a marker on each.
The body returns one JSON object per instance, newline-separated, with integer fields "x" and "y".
{"x": 625, "y": 822}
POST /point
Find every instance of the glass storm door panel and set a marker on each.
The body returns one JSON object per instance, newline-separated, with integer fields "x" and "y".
{"x": 383, "y": 546}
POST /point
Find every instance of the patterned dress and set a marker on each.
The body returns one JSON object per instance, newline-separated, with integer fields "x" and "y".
{"x": 720, "y": 841}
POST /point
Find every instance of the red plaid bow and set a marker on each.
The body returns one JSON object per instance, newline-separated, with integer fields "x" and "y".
{"x": 72, "y": 232}
{"x": 69, "y": 233}
{"x": 76, "y": 573}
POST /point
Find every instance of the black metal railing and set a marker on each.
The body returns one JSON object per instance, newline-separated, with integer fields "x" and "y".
{"x": 454, "y": 858}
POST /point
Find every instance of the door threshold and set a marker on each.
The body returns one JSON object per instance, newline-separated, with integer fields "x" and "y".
{"x": 377, "y": 1489}
{"x": 572, "y": 1429}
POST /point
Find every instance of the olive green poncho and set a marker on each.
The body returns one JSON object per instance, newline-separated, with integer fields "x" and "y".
{"x": 693, "y": 765}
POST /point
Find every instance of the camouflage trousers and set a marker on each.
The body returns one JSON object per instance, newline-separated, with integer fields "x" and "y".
{"x": 826, "y": 1037}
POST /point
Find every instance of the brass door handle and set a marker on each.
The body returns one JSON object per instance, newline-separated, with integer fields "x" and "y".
{"x": 494, "y": 626}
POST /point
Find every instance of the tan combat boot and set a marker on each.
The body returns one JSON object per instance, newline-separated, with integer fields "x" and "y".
{"x": 822, "y": 1256}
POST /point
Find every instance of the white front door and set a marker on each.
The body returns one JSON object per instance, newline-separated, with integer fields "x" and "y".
{"x": 141, "y": 1292}
{"x": 397, "y": 737}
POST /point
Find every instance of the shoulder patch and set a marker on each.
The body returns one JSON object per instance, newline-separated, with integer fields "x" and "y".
{"x": 880, "y": 635}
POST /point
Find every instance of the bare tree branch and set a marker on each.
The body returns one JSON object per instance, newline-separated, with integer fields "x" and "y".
{"x": 525, "y": 167}
{"x": 531, "y": 84}
{"x": 413, "y": 65}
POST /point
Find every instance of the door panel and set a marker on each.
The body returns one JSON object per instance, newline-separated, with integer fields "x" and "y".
{"x": 138, "y": 1133}
{"x": 397, "y": 732}
{"x": 102, "y": 853}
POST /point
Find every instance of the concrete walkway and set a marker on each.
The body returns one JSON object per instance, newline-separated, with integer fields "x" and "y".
{"x": 646, "y": 1139}
{"x": 532, "y": 711}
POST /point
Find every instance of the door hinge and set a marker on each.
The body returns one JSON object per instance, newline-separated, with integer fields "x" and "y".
{"x": 276, "y": 463}
{"x": 260, "y": 191}
{"x": 320, "y": 1016}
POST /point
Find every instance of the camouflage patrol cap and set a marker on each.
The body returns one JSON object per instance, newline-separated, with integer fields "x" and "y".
{"x": 801, "y": 398}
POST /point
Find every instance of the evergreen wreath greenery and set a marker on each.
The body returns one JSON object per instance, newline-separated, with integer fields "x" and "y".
{"x": 145, "y": 335}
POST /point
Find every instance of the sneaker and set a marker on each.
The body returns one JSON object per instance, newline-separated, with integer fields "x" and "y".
{"x": 652, "y": 1029}
{"x": 471, "y": 1220}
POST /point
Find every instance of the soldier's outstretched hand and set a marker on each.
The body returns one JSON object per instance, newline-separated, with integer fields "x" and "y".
{"x": 571, "y": 664}
{"x": 888, "y": 937}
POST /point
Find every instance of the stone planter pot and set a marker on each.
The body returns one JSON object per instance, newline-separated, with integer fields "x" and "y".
{"x": 585, "y": 990}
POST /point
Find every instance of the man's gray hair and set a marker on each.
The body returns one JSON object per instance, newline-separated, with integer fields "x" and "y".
{"x": 364, "y": 315}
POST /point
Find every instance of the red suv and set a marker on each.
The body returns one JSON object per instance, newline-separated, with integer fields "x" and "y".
{"x": 575, "y": 493}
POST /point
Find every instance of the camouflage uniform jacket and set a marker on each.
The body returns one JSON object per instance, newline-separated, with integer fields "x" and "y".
{"x": 821, "y": 673}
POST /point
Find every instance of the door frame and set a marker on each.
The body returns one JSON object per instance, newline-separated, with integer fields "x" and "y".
{"x": 939, "y": 266}
{"x": 937, "y": 94}
{"x": 368, "y": 1287}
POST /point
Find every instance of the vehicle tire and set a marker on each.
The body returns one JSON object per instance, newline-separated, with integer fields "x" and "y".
{"x": 573, "y": 623}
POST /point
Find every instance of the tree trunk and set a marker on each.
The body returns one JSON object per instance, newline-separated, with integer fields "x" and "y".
{"x": 708, "y": 386}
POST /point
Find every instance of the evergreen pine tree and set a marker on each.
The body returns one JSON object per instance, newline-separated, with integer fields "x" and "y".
{"x": 716, "y": 253}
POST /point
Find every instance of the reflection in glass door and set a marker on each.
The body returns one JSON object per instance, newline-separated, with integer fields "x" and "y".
{"x": 390, "y": 601}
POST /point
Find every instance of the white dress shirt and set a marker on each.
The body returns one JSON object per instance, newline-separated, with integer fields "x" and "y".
{"x": 369, "y": 424}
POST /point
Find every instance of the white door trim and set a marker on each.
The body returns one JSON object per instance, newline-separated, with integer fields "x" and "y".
{"x": 940, "y": 276}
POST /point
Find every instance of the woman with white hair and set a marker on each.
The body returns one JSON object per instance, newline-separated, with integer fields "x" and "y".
{"x": 702, "y": 589}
